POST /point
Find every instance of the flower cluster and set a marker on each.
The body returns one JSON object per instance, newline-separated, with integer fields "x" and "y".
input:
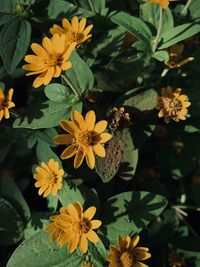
{"x": 6, "y": 104}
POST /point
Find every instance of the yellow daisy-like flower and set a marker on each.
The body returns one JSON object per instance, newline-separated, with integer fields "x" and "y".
{"x": 49, "y": 60}
{"x": 85, "y": 138}
{"x": 126, "y": 254}
{"x": 74, "y": 32}
{"x": 175, "y": 59}
{"x": 176, "y": 260}
{"x": 163, "y": 3}
{"x": 49, "y": 178}
{"x": 6, "y": 103}
{"x": 74, "y": 227}
{"x": 172, "y": 105}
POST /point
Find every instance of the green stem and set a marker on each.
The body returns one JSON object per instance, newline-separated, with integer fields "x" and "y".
{"x": 91, "y": 6}
{"x": 70, "y": 85}
{"x": 188, "y": 225}
{"x": 156, "y": 40}
{"x": 184, "y": 11}
{"x": 14, "y": 113}
{"x": 7, "y": 13}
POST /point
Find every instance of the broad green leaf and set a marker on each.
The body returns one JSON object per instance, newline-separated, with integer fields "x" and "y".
{"x": 133, "y": 25}
{"x": 45, "y": 115}
{"x": 98, "y": 252}
{"x": 130, "y": 212}
{"x": 96, "y": 6}
{"x": 57, "y": 7}
{"x": 15, "y": 39}
{"x": 38, "y": 251}
{"x": 45, "y": 153}
{"x": 47, "y": 136}
{"x": 80, "y": 76}
{"x": 151, "y": 15}
{"x": 161, "y": 55}
{"x": 58, "y": 93}
{"x": 178, "y": 34}
{"x": 11, "y": 224}
{"x": 10, "y": 191}
{"x": 69, "y": 193}
{"x": 194, "y": 10}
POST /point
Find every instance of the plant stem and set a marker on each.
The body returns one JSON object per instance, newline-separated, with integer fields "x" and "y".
{"x": 70, "y": 85}
{"x": 14, "y": 113}
{"x": 184, "y": 11}
{"x": 156, "y": 40}
{"x": 91, "y": 6}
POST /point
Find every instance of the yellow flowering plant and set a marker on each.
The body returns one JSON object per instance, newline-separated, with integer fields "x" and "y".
{"x": 99, "y": 133}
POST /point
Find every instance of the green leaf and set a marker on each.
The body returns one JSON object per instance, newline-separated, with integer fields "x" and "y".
{"x": 161, "y": 55}
{"x": 194, "y": 9}
{"x": 178, "y": 34}
{"x": 98, "y": 252}
{"x": 15, "y": 38}
{"x": 151, "y": 15}
{"x": 10, "y": 191}
{"x": 96, "y": 6}
{"x": 80, "y": 75}
{"x": 11, "y": 224}
{"x": 58, "y": 93}
{"x": 38, "y": 251}
{"x": 45, "y": 153}
{"x": 130, "y": 211}
{"x": 45, "y": 115}
{"x": 133, "y": 25}
{"x": 47, "y": 136}
{"x": 69, "y": 194}
{"x": 108, "y": 166}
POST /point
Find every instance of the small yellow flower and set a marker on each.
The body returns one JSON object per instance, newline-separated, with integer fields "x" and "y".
{"x": 74, "y": 32}
{"x": 172, "y": 105}
{"x": 175, "y": 59}
{"x": 87, "y": 264}
{"x": 6, "y": 103}
{"x": 74, "y": 227}
{"x": 85, "y": 138}
{"x": 126, "y": 254}
{"x": 176, "y": 260}
{"x": 50, "y": 60}
{"x": 49, "y": 178}
{"x": 163, "y": 3}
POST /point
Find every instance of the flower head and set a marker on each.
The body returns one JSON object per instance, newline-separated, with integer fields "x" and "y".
{"x": 6, "y": 103}
{"x": 74, "y": 32}
{"x": 49, "y": 178}
{"x": 175, "y": 59}
{"x": 85, "y": 138}
{"x": 74, "y": 227}
{"x": 87, "y": 264}
{"x": 126, "y": 254}
{"x": 163, "y": 3}
{"x": 176, "y": 260}
{"x": 50, "y": 59}
{"x": 118, "y": 118}
{"x": 172, "y": 105}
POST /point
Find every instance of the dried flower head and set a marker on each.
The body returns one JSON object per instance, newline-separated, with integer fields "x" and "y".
{"x": 126, "y": 254}
{"x": 6, "y": 103}
{"x": 49, "y": 178}
{"x": 74, "y": 32}
{"x": 50, "y": 60}
{"x": 85, "y": 138}
{"x": 74, "y": 227}
{"x": 172, "y": 105}
{"x": 175, "y": 259}
{"x": 118, "y": 118}
{"x": 175, "y": 58}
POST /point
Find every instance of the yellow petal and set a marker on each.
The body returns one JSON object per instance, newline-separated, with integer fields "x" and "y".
{"x": 73, "y": 243}
{"x": 140, "y": 264}
{"x": 46, "y": 43}
{"x": 69, "y": 152}
{"x": 38, "y": 50}
{"x": 134, "y": 241}
{"x": 58, "y": 43}
{"x": 100, "y": 126}
{"x": 177, "y": 92}
{"x": 89, "y": 213}
{"x": 186, "y": 104}
{"x": 66, "y": 25}
{"x": 69, "y": 51}
{"x": 10, "y": 95}
{"x": 161, "y": 113}
{"x": 49, "y": 75}
{"x": 57, "y": 71}
{"x": 82, "y": 25}
{"x": 99, "y": 150}
{"x": 164, "y": 3}
{"x": 104, "y": 137}
{"x": 90, "y": 119}
{"x": 42, "y": 189}
{"x": 38, "y": 81}
{"x": 79, "y": 157}
{"x": 69, "y": 127}
{"x": 90, "y": 159}
{"x": 48, "y": 191}
{"x": 95, "y": 224}
{"x": 63, "y": 139}
{"x": 92, "y": 236}
{"x": 78, "y": 120}
{"x": 1, "y": 114}
{"x": 88, "y": 29}
{"x": 2, "y": 97}
{"x": 83, "y": 243}
{"x": 66, "y": 65}
{"x": 75, "y": 24}
{"x": 72, "y": 211}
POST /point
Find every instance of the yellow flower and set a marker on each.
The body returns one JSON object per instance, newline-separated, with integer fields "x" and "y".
{"x": 172, "y": 105}
{"x": 50, "y": 60}
{"x": 175, "y": 60}
{"x": 74, "y": 32}
{"x": 87, "y": 264}
{"x": 126, "y": 254}
{"x": 6, "y": 103}
{"x": 175, "y": 260}
{"x": 49, "y": 178}
{"x": 163, "y": 3}
{"x": 74, "y": 227}
{"x": 85, "y": 138}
